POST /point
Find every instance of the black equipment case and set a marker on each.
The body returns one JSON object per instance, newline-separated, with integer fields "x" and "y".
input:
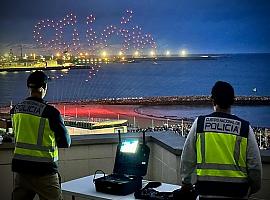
{"x": 130, "y": 166}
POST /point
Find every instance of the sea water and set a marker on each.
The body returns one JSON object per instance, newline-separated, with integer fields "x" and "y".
{"x": 248, "y": 73}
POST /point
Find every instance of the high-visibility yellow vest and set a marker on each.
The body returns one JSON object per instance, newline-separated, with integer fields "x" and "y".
{"x": 35, "y": 141}
{"x": 221, "y": 147}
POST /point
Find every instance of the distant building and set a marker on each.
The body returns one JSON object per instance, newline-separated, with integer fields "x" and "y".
{"x": 5, "y": 122}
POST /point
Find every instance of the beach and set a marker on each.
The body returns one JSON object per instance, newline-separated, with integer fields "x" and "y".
{"x": 102, "y": 112}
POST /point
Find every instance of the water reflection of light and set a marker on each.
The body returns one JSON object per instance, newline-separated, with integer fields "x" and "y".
{"x": 27, "y": 71}
{"x": 4, "y": 72}
{"x": 64, "y": 70}
{"x": 183, "y": 53}
{"x": 53, "y": 70}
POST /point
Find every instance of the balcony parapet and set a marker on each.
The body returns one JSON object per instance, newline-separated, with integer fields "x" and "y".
{"x": 168, "y": 140}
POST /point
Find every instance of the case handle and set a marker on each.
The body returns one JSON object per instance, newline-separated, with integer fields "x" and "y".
{"x": 99, "y": 170}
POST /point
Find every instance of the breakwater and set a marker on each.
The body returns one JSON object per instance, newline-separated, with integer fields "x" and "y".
{"x": 172, "y": 100}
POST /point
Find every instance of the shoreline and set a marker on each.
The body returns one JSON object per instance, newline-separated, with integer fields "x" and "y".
{"x": 171, "y": 118}
{"x": 128, "y": 107}
{"x": 96, "y": 112}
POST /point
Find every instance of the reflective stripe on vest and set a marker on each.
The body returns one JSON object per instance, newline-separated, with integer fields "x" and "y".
{"x": 221, "y": 157}
{"x": 35, "y": 140}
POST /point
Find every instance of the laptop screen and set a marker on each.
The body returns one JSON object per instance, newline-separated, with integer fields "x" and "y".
{"x": 129, "y": 146}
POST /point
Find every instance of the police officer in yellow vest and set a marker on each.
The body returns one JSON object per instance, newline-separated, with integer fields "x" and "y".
{"x": 222, "y": 152}
{"x": 39, "y": 131}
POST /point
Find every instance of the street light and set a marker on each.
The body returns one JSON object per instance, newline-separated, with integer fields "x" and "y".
{"x": 104, "y": 54}
{"x": 136, "y": 53}
{"x": 152, "y": 53}
{"x": 183, "y": 53}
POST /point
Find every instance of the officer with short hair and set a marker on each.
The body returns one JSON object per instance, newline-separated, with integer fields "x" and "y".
{"x": 222, "y": 151}
{"x": 39, "y": 131}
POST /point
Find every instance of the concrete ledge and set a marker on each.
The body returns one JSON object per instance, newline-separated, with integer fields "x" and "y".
{"x": 265, "y": 155}
{"x": 167, "y": 139}
{"x": 103, "y": 138}
{"x": 6, "y": 145}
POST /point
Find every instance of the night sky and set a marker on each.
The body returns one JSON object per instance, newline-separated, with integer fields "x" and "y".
{"x": 199, "y": 26}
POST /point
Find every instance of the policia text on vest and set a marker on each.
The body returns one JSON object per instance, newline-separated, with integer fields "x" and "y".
{"x": 214, "y": 124}
{"x": 30, "y": 107}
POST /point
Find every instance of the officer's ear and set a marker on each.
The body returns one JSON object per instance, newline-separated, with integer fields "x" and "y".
{"x": 44, "y": 90}
{"x": 45, "y": 86}
{"x": 35, "y": 90}
{"x": 213, "y": 101}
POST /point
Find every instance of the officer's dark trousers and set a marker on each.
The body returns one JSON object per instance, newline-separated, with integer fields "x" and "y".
{"x": 46, "y": 187}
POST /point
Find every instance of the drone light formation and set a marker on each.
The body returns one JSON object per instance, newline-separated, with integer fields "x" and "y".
{"x": 131, "y": 38}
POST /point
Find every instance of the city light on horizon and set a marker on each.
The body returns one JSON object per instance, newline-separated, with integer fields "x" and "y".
{"x": 104, "y": 54}
{"x": 152, "y": 53}
{"x": 183, "y": 53}
{"x": 136, "y": 53}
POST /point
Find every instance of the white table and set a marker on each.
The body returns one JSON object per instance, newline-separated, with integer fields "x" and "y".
{"x": 84, "y": 187}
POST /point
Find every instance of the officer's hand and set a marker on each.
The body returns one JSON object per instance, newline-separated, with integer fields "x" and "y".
{"x": 186, "y": 192}
{"x": 186, "y": 187}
